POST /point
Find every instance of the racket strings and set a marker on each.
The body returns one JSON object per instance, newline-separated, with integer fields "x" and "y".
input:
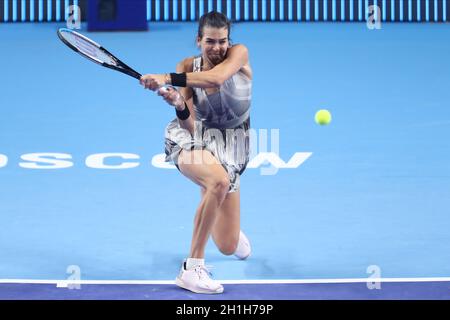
{"x": 94, "y": 52}
{"x": 82, "y": 45}
{"x": 89, "y": 49}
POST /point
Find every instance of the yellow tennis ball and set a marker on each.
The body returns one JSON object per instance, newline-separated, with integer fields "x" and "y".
{"x": 323, "y": 117}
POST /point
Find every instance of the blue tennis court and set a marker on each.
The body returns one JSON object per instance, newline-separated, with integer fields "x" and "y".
{"x": 357, "y": 209}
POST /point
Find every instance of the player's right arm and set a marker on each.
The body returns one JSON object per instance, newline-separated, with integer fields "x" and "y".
{"x": 173, "y": 98}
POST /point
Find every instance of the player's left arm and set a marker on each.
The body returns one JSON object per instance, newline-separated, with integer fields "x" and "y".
{"x": 237, "y": 57}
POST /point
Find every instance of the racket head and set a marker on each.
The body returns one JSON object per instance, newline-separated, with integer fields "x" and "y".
{"x": 85, "y": 46}
{"x": 93, "y": 51}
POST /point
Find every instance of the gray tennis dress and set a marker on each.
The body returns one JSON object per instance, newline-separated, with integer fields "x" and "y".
{"x": 221, "y": 127}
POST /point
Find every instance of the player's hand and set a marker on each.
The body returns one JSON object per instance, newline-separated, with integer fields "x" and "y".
{"x": 172, "y": 97}
{"x": 153, "y": 81}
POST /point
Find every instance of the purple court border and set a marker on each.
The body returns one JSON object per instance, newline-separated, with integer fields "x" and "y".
{"x": 439, "y": 290}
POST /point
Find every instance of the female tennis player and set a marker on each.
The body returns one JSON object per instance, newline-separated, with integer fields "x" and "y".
{"x": 209, "y": 141}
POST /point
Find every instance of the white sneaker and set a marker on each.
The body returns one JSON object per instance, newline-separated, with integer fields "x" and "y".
{"x": 197, "y": 280}
{"x": 243, "y": 249}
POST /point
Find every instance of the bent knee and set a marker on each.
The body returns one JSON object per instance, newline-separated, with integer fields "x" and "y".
{"x": 218, "y": 185}
{"x": 228, "y": 248}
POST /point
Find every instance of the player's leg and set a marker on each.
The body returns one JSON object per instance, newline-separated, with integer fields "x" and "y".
{"x": 212, "y": 177}
{"x": 226, "y": 231}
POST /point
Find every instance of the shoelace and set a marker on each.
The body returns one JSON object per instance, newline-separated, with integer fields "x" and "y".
{"x": 205, "y": 268}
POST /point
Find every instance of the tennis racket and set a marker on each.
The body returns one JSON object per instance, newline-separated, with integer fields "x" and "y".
{"x": 95, "y": 52}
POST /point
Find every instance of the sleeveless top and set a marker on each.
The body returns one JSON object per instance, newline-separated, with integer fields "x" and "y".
{"x": 228, "y": 107}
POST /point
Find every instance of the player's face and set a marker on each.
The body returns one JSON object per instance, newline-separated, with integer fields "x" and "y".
{"x": 214, "y": 44}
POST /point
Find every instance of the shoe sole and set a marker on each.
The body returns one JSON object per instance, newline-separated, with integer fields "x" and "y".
{"x": 181, "y": 284}
{"x": 243, "y": 258}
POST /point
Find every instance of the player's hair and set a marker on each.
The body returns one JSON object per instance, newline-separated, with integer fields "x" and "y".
{"x": 214, "y": 19}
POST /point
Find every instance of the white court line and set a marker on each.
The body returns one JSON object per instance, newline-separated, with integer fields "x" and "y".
{"x": 65, "y": 283}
